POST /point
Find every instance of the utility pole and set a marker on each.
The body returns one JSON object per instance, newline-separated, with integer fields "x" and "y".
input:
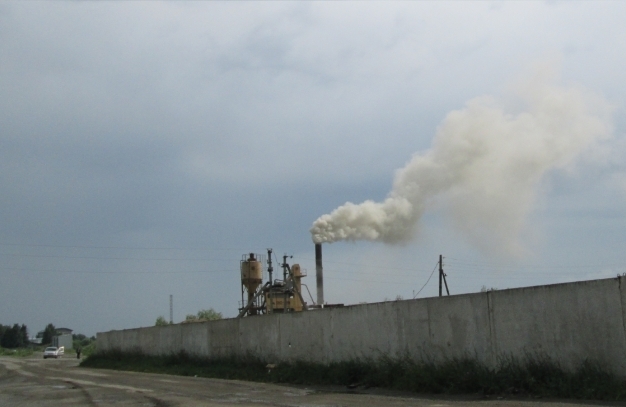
{"x": 440, "y": 273}
{"x": 171, "y": 309}
{"x": 442, "y": 277}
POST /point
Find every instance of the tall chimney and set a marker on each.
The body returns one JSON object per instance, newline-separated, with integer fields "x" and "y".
{"x": 319, "y": 273}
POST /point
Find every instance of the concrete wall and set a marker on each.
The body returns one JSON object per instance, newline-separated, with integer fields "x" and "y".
{"x": 569, "y": 322}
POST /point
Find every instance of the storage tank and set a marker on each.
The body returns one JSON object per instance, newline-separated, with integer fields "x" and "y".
{"x": 251, "y": 275}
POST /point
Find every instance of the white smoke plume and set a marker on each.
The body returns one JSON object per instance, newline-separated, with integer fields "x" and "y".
{"x": 483, "y": 168}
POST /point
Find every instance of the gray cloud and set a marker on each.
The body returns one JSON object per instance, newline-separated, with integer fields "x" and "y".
{"x": 223, "y": 127}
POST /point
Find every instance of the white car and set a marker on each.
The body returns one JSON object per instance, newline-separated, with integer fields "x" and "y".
{"x": 53, "y": 352}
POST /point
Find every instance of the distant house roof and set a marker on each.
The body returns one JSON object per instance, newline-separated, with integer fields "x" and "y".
{"x": 64, "y": 331}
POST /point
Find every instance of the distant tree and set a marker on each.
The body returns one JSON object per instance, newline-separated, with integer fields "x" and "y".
{"x": 14, "y": 337}
{"x": 3, "y": 329}
{"x": 48, "y": 333}
{"x": 9, "y": 339}
{"x": 204, "y": 315}
{"x": 81, "y": 341}
{"x": 484, "y": 289}
{"x": 23, "y": 336}
{"x": 160, "y": 321}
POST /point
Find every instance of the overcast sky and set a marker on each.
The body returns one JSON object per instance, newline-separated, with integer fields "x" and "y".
{"x": 145, "y": 147}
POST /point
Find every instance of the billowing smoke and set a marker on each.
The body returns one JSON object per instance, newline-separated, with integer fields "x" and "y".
{"x": 482, "y": 169}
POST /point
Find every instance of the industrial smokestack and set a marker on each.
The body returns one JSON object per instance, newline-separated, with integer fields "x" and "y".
{"x": 319, "y": 274}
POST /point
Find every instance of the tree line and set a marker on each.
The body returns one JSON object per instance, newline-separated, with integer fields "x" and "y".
{"x": 15, "y": 336}
{"x": 202, "y": 315}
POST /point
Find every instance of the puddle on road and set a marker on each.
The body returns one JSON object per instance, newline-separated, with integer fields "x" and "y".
{"x": 108, "y": 386}
{"x": 88, "y": 373}
{"x": 298, "y": 394}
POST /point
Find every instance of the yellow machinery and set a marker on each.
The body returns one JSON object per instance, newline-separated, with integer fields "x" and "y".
{"x": 286, "y": 297}
{"x": 251, "y": 279}
{"x": 275, "y": 295}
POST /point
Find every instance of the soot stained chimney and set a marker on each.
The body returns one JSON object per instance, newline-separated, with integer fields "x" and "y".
{"x": 319, "y": 273}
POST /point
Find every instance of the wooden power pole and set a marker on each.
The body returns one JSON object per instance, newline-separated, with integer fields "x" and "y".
{"x": 442, "y": 277}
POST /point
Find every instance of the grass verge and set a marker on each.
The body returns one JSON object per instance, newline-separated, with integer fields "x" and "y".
{"x": 18, "y": 352}
{"x": 530, "y": 376}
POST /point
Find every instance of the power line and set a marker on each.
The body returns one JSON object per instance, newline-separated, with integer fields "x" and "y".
{"x": 10, "y": 269}
{"x": 429, "y": 277}
{"x": 361, "y": 264}
{"x": 108, "y": 258}
{"x": 118, "y": 247}
{"x": 476, "y": 264}
{"x": 367, "y": 281}
{"x": 451, "y": 262}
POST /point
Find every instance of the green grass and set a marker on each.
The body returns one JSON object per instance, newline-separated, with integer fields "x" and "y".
{"x": 25, "y": 352}
{"x": 89, "y": 349}
{"x": 19, "y": 352}
{"x": 528, "y": 377}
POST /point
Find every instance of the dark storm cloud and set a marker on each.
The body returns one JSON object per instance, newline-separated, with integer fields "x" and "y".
{"x": 233, "y": 125}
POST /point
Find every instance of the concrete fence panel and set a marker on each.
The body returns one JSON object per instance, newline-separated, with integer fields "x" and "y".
{"x": 195, "y": 338}
{"x": 149, "y": 339}
{"x": 305, "y": 337}
{"x": 569, "y": 322}
{"x": 361, "y": 331}
{"x": 448, "y": 327}
{"x": 223, "y": 338}
{"x": 261, "y": 337}
{"x": 169, "y": 339}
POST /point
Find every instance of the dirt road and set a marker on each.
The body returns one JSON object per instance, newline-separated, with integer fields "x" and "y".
{"x": 36, "y": 382}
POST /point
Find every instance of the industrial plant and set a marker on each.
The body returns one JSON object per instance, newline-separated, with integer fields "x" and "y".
{"x": 277, "y": 295}
{"x": 572, "y": 323}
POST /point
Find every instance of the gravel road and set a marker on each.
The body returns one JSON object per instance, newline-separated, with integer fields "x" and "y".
{"x": 60, "y": 382}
